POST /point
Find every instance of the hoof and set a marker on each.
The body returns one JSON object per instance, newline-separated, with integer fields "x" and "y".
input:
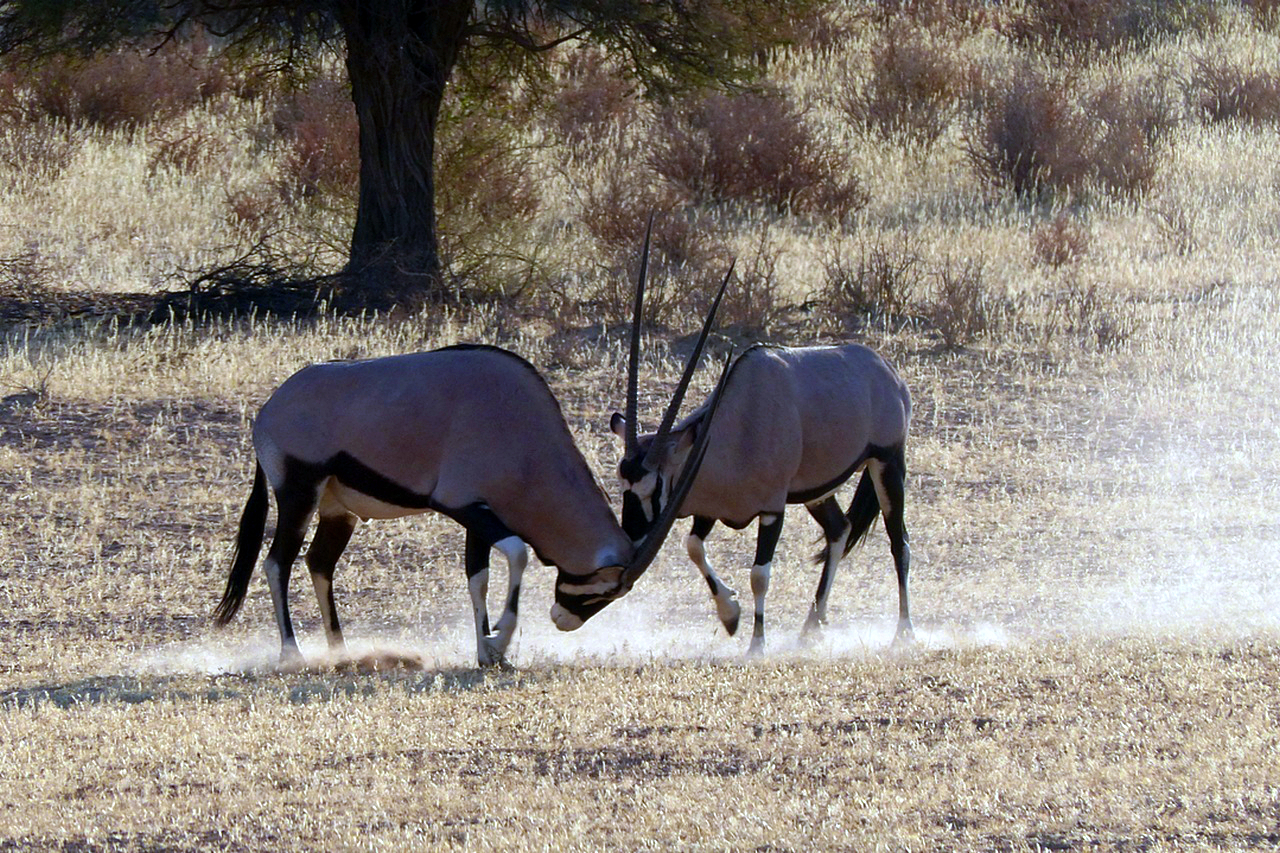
{"x": 489, "y": 656}
{"x": 810, "y": 637}
{"x": 731, "y": 616}
{"x": 904, "y": 638}
{"x": 756, "y": 649}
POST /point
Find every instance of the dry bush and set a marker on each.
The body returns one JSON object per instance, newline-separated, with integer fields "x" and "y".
{"x": 26, "y": 275}
{"x": 1037, "y": 136}
{"x": 1099, "y": 25}
{"x": 962, "y": 309}
{"x": 963, "y": 15}
{"x": 753, "y": 149}
{"x": 187, "y": 150}
{"x": 485, "y": 190}
{"x": 751, "y": 304}
{"x": 1060, "y": 241}
{"x": 319, "y": 123}
{"x": 36, "y": 150}
{"x": 688, "y": 257}
{"x": 1266, "y": 13}
{"x": 1176, "y": 225}
{"x": 1222, "y": 90}
{"x": 254, "y": 212}
{"x": 1090, "y": 315}
{"x": 912, "y": 91}
{"x": 126, "y": 88}
{"x": 882, "y": 281}
{"x": 592, "y": 98}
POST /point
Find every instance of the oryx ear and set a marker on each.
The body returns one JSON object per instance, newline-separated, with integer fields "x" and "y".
{"x": 618, "y": 424}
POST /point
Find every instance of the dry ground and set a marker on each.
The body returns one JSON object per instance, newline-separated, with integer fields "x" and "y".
{"x": 1094, "y": 541}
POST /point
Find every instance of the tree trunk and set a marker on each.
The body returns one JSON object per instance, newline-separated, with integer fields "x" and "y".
{"x": 400, "y": 55}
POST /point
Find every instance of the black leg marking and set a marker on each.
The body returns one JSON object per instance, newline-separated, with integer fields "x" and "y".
{"x": 727, "y": 606}
{"x": 766, "y": 543}
{"x": 891, "y": 484}
{"x": 484, "y": 529}
{"x": 477, "y": 561}
{"x": 332, "y": 535}
{"x": 295, "y": 503}
{"x": 835, "y": 528}
{"x": 767, "y": 539}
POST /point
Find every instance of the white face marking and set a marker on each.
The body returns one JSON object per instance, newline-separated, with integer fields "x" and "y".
{"x": 597, "y": 588}
{"x": 563, "y": 619}
{"x": 643, "y": 488}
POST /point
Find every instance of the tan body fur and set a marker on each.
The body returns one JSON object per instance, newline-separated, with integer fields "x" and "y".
{"x": 782, "y": 427}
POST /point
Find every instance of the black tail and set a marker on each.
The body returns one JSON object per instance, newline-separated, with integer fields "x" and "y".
{"x": 866, "y": 505}
{"x": 863, "y": 512}
{"x": 253, "y": 523}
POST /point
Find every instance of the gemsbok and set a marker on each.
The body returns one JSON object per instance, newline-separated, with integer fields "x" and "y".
{"x": 794, "y": 424}
{"x": 472, "y": 432}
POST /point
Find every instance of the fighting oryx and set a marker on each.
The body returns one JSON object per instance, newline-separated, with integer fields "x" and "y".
{"x": 471, "y": 432}
{"x": 794, "y": 424}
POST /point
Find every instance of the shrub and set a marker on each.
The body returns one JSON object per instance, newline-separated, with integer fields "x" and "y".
{"x": 185, "y": 150}
{"x": 592, "y": 99}
{"x": 126, "y": 88}
{"x": 1029, "y": 137}
{"x": 1060, "y": 242}
{"x": 1035, "y": 137}
{"x": 912, "y": 91}
{"x": 881, "y": 281}
{"x": 485, "y": 192}
{"x": 753, "y": 148}
{"x": 1098, "y": 25}
{"x": 1088, "y": 315}
{"x": 1221, "y": 91}
{"x": 318, "y": 121}
{"x": 687, "y": 260}
{"x": 961, "y": 310}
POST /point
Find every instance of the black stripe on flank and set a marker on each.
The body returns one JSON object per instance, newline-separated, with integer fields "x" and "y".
{"x": 354, "y": 474}
{"x": 873, "y": 451}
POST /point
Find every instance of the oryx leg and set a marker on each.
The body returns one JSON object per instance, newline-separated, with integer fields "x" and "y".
{"x": 484, "y": 531}
{"x": 295, "y": 504}
{"x": 836, "y": 530}
{"x": 727, "y": 607}
{"x": 770, "y": 528}
{"x": 890, "y": 480}
{"x": 333, "y": 532}
{"x": 517, "y": 555}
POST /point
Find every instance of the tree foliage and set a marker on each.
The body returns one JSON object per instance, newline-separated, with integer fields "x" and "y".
{"x": 400, "y": 56}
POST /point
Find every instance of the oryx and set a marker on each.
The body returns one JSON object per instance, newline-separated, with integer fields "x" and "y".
{"x": 794, "y": 424}
{"x": 472, "y": 432}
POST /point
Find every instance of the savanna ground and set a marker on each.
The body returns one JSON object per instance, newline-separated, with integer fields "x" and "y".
{"x": 1094, "y": 463}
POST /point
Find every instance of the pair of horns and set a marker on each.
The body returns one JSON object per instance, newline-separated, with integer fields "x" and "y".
{"x": 661, "y": 445}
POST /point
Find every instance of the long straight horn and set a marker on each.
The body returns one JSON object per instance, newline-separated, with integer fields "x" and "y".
{"x": 657, "y": 534}
{"x": 659, "y": 448}
{"x": 633, "y": 369}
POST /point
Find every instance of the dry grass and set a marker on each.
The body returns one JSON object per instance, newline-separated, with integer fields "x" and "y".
{"x": 1093, "y": 487}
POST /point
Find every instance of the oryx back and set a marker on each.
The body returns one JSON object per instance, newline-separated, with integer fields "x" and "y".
{"x": 794, "y": 424}
{"x": 444, "y": 431}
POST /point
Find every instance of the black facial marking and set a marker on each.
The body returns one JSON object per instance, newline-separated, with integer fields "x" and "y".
{"x": 634, "y": 523}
